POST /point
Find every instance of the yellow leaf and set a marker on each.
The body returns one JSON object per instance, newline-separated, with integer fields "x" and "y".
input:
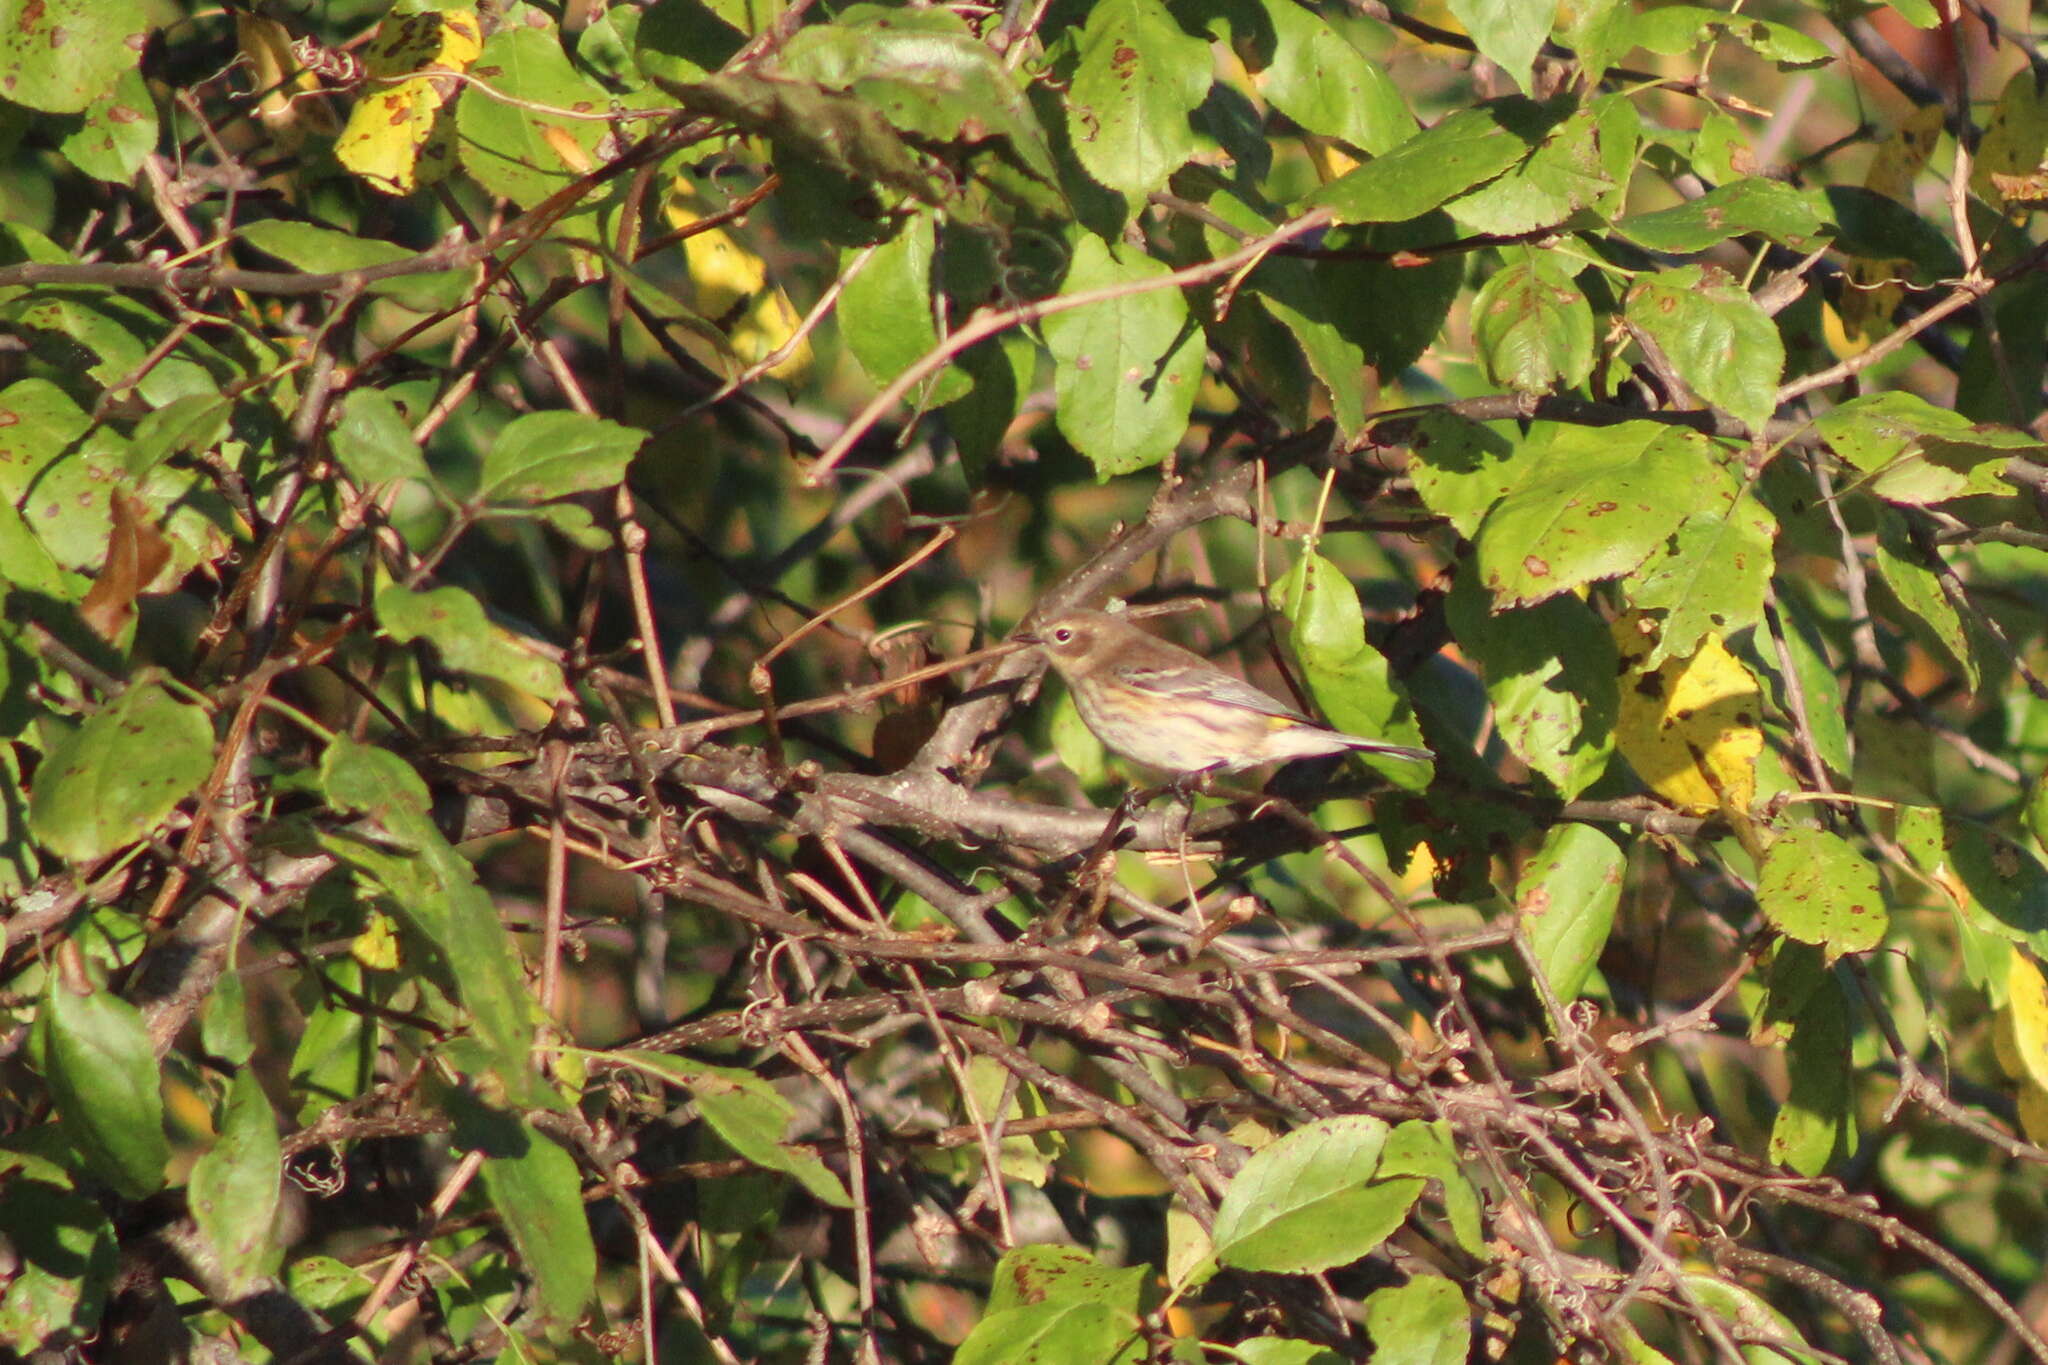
{"x": 733, "y": 289}
{"x": 412, "y": 63}
{"x": 289, "y": 101}
{"x": 377, "y": 945}
{"x": 1902, "y": 156}
{"x": 724, "y": 271}
{"x": 1873, "y": 293}
{"x": 1691, "y": 728}
{"x": 766, "y": 328}
{"x": 2026, "y": 1003}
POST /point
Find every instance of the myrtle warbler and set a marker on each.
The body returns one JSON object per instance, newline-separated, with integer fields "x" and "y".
{"x": 1173, "y": 710}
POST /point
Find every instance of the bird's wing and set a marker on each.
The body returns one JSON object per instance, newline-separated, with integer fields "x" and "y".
{"x": 1211, "y": 686}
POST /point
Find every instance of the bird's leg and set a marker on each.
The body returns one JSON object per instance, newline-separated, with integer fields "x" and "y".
{"x": 1089, "y": 872}
{"x": 1185, "y": 789}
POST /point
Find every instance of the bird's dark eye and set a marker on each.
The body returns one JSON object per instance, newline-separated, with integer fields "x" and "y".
{"x": 1062, "y": 635}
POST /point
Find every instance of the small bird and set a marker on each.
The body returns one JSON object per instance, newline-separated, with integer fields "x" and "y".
{"x": 1171, "y": 709}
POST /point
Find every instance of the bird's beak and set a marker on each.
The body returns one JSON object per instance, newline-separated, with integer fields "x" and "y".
{"x": 1025, "y": 637}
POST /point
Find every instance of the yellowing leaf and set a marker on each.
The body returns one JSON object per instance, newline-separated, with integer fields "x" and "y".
{"x": 733, "y": 286}
{"x": 1902, "y": 156}
{"x": 724, "y": 271}
{"x": 288, "y": 100}
{"x": 2034, "y": 1112}
{"x": 395, "y": 137}
{"x": 766, "y": 329}
{"x": 2008, "y": 167}
{"x": 1874, "y": 291}
{"x": 2026, "y": 996}
{"x": 1691, "y": 728}
{"x": 377, "y": 946}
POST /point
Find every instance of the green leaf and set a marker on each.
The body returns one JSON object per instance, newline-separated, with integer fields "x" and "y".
{"x": 1347, "y": 676}
{"x": 27, "y": 563}
{"x": 1426, "y": 1149}
{"x": 1721, "y": 151}
{"x": 115, "y": 132}
{"x": 1466, "y": 148}
{"x": 1916, "y": 453}
{"x": 1393, "y": 311}
{"x": 234, "y": 1187}
{"x": 1723, "y": 346}
{"x": 1751, "y": 1318}
{"x": 193, "y": 423}
{"x": 1126, "y": 369}
{"x": 57, "y": 466}
{"x": 453, "y": 621}
{"x": 65, "y": 1259}
{"x": 928, "y": 76}
{"x": 1062, "y": 1274}
{"x": 1673, "y": 29}
{"x": 1878, "y": 227}
{"x": 1596, "y": 31}
{"x": 322, "y": 251}
{"x": 1285, "y": 1351}
{"x": 1138, "y": 77}
{"x": 1819, "y": 681}
{"x": 507, "y": 146}
{"x": 1308, "y": 1202}
{"x": 1568, "y": 172}
{"x": 1508, "y": 33}
{"x": 546, "y": 455}
{"x": 434, "y": 891}
{"x": 93, "y": 338}
{"x": 114, "y": 778}
{"x": 1815, "y": 887}
{"x": 1566, "y": 901}
{"x": 1002, "y": 369}
{"x": 1422, "y": 1322}
{"x": 1289, "y": 290}
{"x": 1318, "y": 79}
{"x": 1058, "y": 1303}
{"x": 751, "y": 1117}
{"x": 104, "y": 1080}
{"x": 1816, "y": 1125}
{"x": 224, "y": 1021}
{"x": 834, "y": 140}
{"x": 374, "y": 442}
{"x": 1044, "y": 1332}
{"x": 683, "y": 40}
{"x": 538, "y": 1193}
{"x": 1710, "y": 578}
{"x": 1591, "y": 503}
{"x": 1917, "y": 588}
{"x": 2007, "y": 884}
{"x": 885, "y": 312}
{"x": 1793, "y": 218}
{"x": 1462, "y": 468}
{"x": 61, "y": 55}
{"x": 378, "y": 783}
{"x": 1533, "y": 327}
{"x": 1550, "y": 673}
{"x": 336, "y": 1057}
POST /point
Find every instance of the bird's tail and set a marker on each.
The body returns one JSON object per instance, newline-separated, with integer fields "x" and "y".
{"x": 1385, "y": 750}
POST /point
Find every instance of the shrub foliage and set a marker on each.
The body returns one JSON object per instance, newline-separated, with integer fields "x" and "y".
{"x": 522, "y": 835}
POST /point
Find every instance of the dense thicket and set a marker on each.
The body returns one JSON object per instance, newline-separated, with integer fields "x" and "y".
{"x": 522, "y": 836}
